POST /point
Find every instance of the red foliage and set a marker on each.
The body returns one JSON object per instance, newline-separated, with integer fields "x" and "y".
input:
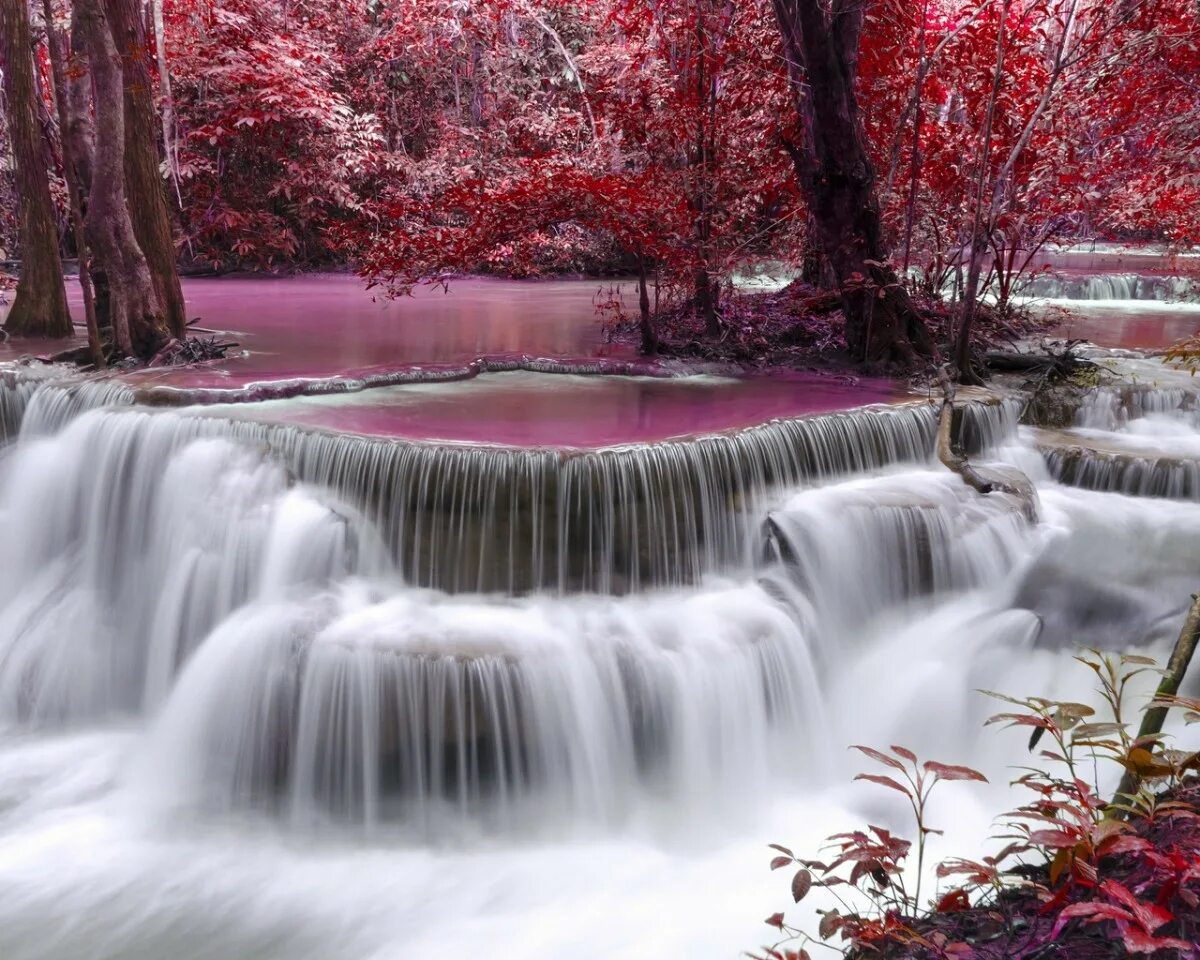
{"x": 428, "y": 137}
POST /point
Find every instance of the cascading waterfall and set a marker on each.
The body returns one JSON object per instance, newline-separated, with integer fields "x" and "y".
{"x": 483, "y": 519}
{"x": 1142, "y": 441}
{"x": 126, "y": 546}
{"x": 230, "y": 648}
{"x": 419, "y": 708}
{"x": 1111, "y": 286}
{"x": 849, "y": 552}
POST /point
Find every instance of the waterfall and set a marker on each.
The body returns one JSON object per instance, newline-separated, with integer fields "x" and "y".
{"x": 425, "y": 709}
{"x": 280, "y": 692}
{"x": 1110, "y": 286}
{"x": 851, "y": 551}
{"x": 492, "y": 518}
{"x": 1137, "y": 440}
{"x": 126, "y": 545}
{"x": 317, "y": 614}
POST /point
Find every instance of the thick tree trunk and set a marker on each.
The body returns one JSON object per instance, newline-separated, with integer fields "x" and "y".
{"x": 40, "y": 306}
{"x": 838, "y": 180}
{"x": 145, "y": 188}
{"x": 77, "y": 127}
{"x": 137, "y": 315}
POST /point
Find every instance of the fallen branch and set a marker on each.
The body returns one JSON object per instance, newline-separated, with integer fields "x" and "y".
{"x": 1152, "y": 722}
{"x": 956, "y": 461}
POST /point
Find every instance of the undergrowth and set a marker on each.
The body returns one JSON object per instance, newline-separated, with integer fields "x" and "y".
{"x": 1077, "y": 876}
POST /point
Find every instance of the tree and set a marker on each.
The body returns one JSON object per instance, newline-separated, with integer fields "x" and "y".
{"x": 136, "y": 311}
{"x": 837, "y": 178}
{"x": 272, "y": 151}
{"x": 40, "y": 306}
{"x": 143, "y": 183}
{"x": 71, "y": 168}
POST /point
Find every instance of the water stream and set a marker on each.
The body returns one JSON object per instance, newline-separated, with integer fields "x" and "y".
{"x": 272, "y": 690}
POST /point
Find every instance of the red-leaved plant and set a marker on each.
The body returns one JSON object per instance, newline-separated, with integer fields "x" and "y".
{"x": 1071, "y": 861}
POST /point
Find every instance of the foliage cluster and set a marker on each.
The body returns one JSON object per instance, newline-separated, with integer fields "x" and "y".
{"x": 1111, "y": 878}
{"x": 437, "y": 136}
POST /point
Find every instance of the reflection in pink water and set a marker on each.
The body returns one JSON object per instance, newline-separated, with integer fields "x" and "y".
{"x": 320, "y": 327}
{"x": 529, "y": 409}
{"x": 326, "y": 325}
{"x": 316, "y": 326}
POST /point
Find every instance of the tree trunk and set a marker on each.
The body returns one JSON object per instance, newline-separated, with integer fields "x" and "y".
{"x": 168, "y": 99}
{"x": 646, "y": 318}
{"x": 138, "y": 319}
{"x": 58, "y": 66}
{"x": 77, "y": 125}
{"x": 1155, "y": 717}
{"x": 706, "y": 302}
{"x": 981, "y": 220}
{"x": 145, "y": 189}
{"x": 80, "y": 134}
{"x": 837, "y": 179}
{"x": 40, "y": 306}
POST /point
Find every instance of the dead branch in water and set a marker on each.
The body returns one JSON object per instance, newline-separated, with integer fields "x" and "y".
{"x": 955, "y": 460}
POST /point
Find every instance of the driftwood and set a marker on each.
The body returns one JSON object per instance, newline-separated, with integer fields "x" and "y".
{"x": 957, "y": 461}
{"x": 1050, "y": 364}
{"x": 1152, "y": 722}
{"x": 173, "y": 353}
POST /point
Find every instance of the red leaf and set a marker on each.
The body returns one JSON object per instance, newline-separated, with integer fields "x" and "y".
{"x": 775, "y": 920}
{"x": 801, "y": 884}
{"x": 1054, "y": 839}
{"x": 954, "y": 902}
{"x": 949, "y": 771}
{"x": 885, "y": 782}
{"x": 780, "y": 862}
{"x": 879, "y": 757}
{"x": 831, "y": 922}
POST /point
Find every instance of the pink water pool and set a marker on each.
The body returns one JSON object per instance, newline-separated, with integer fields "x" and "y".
{"x": 544, "y": 410}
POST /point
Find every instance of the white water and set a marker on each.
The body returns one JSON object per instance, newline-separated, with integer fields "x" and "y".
{"x": 230, "y": 730}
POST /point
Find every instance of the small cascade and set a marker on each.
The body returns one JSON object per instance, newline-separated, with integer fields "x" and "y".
{"x": 983, "y": 427}
{"x": 126, "y": 543}
{"x": 851, "y": 551}
{"x": 1114, "y": 408}
{"x": 1111, "y": 286}
{"x": 1115, "y": 572}
{"x": 40, "y": 400}
{"x": 1137, "y": 440}
{"x": 426, "y": 709}
{"x": 1131, "y": 473}
{"x": 15, "y": 391}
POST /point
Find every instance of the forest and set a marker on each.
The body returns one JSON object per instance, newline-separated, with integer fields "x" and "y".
{"x": 896, "y": 153}
{"x": 608, "y": 479}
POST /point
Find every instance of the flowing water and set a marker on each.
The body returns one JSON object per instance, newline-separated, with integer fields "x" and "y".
{"x": 269, "y": 689}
